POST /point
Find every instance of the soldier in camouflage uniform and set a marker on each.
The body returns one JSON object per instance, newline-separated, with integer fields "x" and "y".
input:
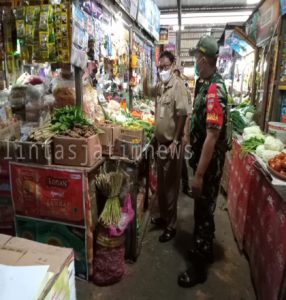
{"x": 208, "y": 140}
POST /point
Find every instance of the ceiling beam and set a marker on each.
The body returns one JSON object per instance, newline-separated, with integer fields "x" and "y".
{"x": 167, "y": 10}
{"x": 179, "y": 5}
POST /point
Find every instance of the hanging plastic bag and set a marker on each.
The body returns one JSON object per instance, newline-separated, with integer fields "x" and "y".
{"x": 127, "y": 215}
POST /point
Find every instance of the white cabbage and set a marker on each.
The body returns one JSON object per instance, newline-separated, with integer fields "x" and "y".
{"x": 273, "y": 144}
{"x": 269, "y": 154}
{"x": 260, "y": 150}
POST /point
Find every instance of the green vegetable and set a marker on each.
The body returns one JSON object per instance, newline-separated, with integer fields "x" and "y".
{"x": 251, "y": 145}
{"x": 66, "y": 118}
{"x": 237, "y": 121}
{"x": 110, "y": 185}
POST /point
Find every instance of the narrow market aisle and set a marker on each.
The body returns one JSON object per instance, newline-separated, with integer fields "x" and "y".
{"x": 154, "y": 275}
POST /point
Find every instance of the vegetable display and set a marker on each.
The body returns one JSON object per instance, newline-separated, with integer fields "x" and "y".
{"x": 251, "y": 145}
{"x": 278, "y": 164}
{"x": 69, "y": 121}
{"x": 252, "y": 132}
{"x": 242, "y": 117}
{"x": 135, "y": 124}
{"x": 42, "y": 134}
{"x": 273, "y": 144}
{"x": 237, "y": 121}
{"x": 265, "y": 154}
{"x": 66, "y": 118}
{"x": 110, "y": 185}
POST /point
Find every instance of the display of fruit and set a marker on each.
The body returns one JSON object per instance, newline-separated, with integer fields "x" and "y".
{"x": 278, "y": 165}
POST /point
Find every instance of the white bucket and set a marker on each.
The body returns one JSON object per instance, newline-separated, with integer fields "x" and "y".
{"x": 278, "y": 130}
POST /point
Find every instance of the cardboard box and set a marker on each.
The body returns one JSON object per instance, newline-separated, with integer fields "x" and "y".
{"x": 22, "y": 252}
{"x": 107, "y": 139}
{"x": 38, "y": 153}
{"x": 124, "y": 147}
{"x": 48, "y": 193}
{"x": 55, "y": 234}
{"x": 81, "y": 152}
{"x": 8, "y": 150}
{"x": 133, "y": 134}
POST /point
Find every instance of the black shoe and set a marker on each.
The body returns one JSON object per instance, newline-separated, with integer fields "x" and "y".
{"x": 194, "y": 253}
{"x": 167, "y": 235}
{"x": 187, "y": 191}
{"x": 197, "y": 273}
{"x": 158, "y": 222}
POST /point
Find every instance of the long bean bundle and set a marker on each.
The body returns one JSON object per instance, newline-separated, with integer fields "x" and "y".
{"x": 110, "y": 185}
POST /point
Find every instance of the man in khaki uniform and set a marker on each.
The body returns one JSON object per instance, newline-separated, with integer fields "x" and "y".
{"x": 171, "y": 114}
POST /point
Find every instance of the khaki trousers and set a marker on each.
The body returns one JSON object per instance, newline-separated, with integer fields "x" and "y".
{"x": 169, "y": 172}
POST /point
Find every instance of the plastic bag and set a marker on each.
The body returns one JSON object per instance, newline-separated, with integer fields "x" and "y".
{"x": 127, "y": 215}
{"x": 89, "y": 101}
{"x": 63, "y": 92}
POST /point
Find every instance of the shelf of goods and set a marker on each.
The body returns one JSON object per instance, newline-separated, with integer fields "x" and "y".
{"x": 57, "y": 205}
{"x": 257, "y": 211}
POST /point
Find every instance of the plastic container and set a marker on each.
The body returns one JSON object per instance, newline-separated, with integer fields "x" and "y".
{"x": 278, "y": 130}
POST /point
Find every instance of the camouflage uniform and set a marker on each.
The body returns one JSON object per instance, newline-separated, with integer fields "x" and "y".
{"x": 210, "y": 111}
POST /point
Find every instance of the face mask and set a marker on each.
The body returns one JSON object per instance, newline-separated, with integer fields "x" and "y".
{"x": 165, "y": 75}
{"x": 196, "y": 67}
{"x": 196, "y": 70}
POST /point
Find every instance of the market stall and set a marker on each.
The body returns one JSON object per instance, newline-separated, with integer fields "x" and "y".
{"x": 257, "y": 208}
{"x": 256, "y": 193}
{"x": 241, "y": 68}
{"x": 68, "y": 132}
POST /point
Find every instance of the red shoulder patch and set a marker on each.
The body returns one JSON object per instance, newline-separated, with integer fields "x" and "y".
{"x": 214, "y": 109}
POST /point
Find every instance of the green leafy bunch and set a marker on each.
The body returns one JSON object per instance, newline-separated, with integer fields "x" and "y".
{"x": 67, "y": 117}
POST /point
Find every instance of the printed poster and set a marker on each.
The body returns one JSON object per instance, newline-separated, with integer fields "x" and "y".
{"x": 48, "y": 193}
{"x": 268, "y": 17}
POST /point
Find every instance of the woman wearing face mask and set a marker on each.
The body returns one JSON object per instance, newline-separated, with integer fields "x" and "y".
{"x": 171, "y": 113}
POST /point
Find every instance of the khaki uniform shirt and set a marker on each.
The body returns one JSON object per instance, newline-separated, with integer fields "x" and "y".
{"x": 190, "y": 102}
{"x": 172, "y": 102}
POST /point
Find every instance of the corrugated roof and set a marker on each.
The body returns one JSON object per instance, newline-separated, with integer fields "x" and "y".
{"x": 197, "y": 23}
{"x": 168, "y": 4}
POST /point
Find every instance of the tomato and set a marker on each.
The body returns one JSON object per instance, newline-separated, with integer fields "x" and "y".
{"x": 284, "y": 165}
{"x": 281, "y": 156}
{"x": 271, "y": 161}
{"x": 278, "y": 166}
{"x": 276, "y": 158}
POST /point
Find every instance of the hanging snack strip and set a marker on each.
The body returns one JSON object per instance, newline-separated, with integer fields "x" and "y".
{"x": 62, "y": 31}
{"x": 43, "y": 31}
{"x": 2, "y": 53}
{"x": 9, "y": 43}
